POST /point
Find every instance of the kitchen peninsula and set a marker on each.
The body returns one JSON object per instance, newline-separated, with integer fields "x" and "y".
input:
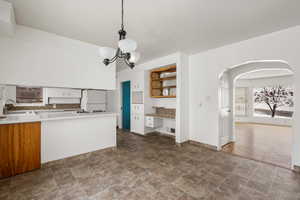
{"x": 35, "y": 139}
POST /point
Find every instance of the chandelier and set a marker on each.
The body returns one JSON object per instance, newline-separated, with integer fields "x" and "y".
{"x": 126, "y": 48}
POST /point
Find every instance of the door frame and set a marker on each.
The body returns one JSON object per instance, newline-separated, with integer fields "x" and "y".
{"x": 222, "y": 111}
{"x": 235, "y": 72}
{"x": 122, "y": 114}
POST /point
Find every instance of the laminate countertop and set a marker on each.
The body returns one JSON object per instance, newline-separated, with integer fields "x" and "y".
{"x": 161, "y": 116}
{"x": 14, "y": 119}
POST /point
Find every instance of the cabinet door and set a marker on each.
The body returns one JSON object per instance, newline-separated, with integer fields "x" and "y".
{"x": 20, "y": 147}
{"x": 140, "y": 124}
{"x": 138, "y": 82}
{"x": 134, "y": 108}
{"x": 96, "y": 96}
{"x": 137, "y": 108}
{"x": 62, "y": 93}
{"x": 137, "y": 123}
{"x": 75, "y": 93}
{"x": 133, "y": 123}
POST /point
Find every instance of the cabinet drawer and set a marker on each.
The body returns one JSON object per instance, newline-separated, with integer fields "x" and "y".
{"x": 149, "y": 119}
{"x": 153, "y": 122}
{"x": 149, "y": 124}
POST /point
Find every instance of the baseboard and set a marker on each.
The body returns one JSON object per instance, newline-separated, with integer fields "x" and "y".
{"x": 211, "y": 147}
{"x": 138, "y": 134}
{"x": 264, "y": 124}
{"x": 182, "y": 143}
{"x": 165, "y": 134}
{"x": 296, "y": 168}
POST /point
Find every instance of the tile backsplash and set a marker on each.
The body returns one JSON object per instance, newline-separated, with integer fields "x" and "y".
{"x": 165, "y": 111}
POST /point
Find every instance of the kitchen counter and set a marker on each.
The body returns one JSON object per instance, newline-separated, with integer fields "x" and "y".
{"x": 66, "y": 134}
{"x": 13, "y": 119}
{"x": 161, "y": 116}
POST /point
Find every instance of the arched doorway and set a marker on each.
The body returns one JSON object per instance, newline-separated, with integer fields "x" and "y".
{"x": 227, "y": 81}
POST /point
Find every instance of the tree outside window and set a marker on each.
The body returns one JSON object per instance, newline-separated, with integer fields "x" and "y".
{"x": 274, "y": 98}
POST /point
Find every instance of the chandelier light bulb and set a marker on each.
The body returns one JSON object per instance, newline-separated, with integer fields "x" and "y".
{"x": 107, "y": 52}
{"x": 127, "y": 45}
{"x": 134, "y": 57}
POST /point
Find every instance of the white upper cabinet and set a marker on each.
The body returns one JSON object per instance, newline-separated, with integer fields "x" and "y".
{"x": 62, "y": 93}
{"x": 137, "y": 83}
{"x": 96, "y": 96}
{"x": 61, "y": 96}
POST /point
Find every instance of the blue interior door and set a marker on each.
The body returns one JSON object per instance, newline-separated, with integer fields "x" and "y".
{"x": 126, "y": 105}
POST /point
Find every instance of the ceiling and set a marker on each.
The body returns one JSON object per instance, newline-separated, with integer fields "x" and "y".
{"x": 160, "y": 27}
{"x": 266, "y": 73}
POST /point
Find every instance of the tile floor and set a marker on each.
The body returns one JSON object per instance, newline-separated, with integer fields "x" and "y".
{"x": 153, "y": 168}
{"x": 271, "y": 144}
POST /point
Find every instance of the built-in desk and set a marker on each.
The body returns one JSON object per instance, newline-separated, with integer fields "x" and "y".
{"x": 156, "y": 120}
{"x": 163, "y": 120}
{"x": 161, "y": 116}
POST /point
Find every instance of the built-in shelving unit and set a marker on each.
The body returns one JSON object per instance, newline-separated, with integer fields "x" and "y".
{"x": 163, "y": 82}
{"x": 165, "y": 78}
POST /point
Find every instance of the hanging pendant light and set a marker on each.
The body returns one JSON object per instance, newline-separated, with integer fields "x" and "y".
{"x": 126, "y": 48}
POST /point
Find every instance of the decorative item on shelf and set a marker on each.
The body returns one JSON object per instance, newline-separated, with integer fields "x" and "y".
{"x": 155, "y": 76}
{"x": 126, "y": 48}
{"x": 172, "y": 91}
{"x": 156, "y": 84}
{"x": 168, "y": 83}
{"x": 167, "y": 74}
{"x": 156, "y": 92}
{"x": 166, "y": 92}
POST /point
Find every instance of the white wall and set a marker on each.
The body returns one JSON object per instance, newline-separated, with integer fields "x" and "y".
{"x": 207, "y": 66}
{"x": 263, "y": 82}
{"x": 36, "y": 58}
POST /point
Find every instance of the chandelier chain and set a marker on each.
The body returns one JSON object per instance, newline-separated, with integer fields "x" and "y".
{"x": 126, "y": 50}
{"x": 122, "y": 25}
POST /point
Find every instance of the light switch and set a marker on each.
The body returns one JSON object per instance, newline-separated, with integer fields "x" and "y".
{"x": 208, "y": 98}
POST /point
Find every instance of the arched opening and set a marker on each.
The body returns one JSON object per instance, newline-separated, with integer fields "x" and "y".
{"x": 229, "y": 79}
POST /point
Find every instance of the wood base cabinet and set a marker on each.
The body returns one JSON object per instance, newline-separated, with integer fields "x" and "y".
{"x": 20, "y": 148}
